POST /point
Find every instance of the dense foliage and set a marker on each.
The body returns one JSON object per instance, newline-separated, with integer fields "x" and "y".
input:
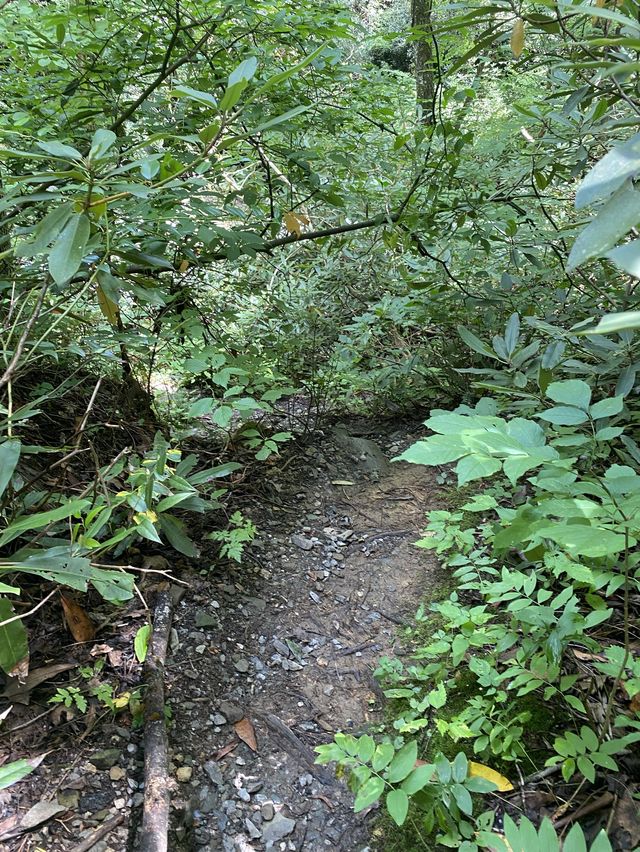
{"x": 211, "y": 208}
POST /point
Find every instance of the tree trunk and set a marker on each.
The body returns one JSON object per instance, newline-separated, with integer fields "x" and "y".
{"x": 425, "y": 86}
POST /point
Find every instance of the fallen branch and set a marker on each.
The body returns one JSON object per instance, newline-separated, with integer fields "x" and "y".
{"x": 157, "y": 799}
{"x": 100, "y": 832}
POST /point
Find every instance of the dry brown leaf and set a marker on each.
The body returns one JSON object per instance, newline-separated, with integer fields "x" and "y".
{"x": 15, "y": 690}
{"x": 80, "y": 625}
{"x": 246, "y": 732}
{"x": 225, "y": 750}
{"x": 21, "y": 669}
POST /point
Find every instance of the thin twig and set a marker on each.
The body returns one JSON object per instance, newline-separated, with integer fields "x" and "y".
{"x": 31, "y": 611}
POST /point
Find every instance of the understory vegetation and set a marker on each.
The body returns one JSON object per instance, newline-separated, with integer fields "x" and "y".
{"x": 223, "y": 222}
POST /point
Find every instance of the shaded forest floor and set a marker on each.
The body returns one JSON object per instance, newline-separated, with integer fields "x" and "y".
{"x": 267, "y": 660}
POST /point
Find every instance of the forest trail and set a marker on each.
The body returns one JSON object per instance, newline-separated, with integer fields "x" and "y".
{"x": 289, "y": 642}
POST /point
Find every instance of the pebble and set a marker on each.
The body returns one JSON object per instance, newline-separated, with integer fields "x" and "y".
{"x": 233, "y": 712}
{"x": 184, "y": 773}
{"x": 241, "y": 666}
{"x": 106, "y": 758}
{"x": 117, "y": 773}
{"x": 254, "y": 831}
{"x": 219, "y": 719}
{"x": 268, "y": 811}
{"x": 243, "y": 795}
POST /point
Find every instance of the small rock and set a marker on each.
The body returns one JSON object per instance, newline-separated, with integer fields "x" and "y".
{"x": 268, "y": 811}
{"x": 254, "y": 831}
{"x": 243, "y": 795}
{"x": 302, "y": 542}
{"x": 68, "y": 798}
{"x": 204, "y": 619}
{"x": 138, "y": 799}
{"x": 96, "y": 801}
{"x": 117, "y": 773}
{"x": 119, "y": 804}
{"x": 184, "y": 773}
{"x": 106, "y": 758}
{"x": 241, "y": 666}
{"x": 219, "y": 719}
{"x": 213, "y": 771}
{"x": 255, "y": 786}
{"x": 232, "y": 711}
{"x": 279, "y": 827}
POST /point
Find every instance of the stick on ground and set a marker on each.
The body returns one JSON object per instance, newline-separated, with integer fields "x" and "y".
{"x": 157, "y": 798}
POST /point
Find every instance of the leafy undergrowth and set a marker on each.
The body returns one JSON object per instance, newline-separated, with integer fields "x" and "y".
{"x": 525, "y": 679}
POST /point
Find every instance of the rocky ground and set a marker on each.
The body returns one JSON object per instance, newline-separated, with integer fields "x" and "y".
{"x": 267, "y": 660}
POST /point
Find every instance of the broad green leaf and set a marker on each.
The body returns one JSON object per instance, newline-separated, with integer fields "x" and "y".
{"x": 601, "y": 843}
{"x": 366, "y": 747}
{"x": 607, "y": 407}
{"x": 45, "y": 232}
{"x": 418, "y": 778}
{"x": 59, "y": 150}
{"x": 212, "y": 473}
{"x": 475, "y": 343}
{"x": 382, "y": 756}
{"x": 574, "y": 841}
{"x": 403, "y": 762}
{"x": 102, "y": 141}
{"x": 476, "y": 467}
{"x": 69, "y": 248}
{"x": 11, "y": 773}
{"x": 627, "y": 257}
{"x": 42, "y": 519}
{"x": 614, "y": 220}
{"x": 572, "y": 392}
{"x": 175, "y": 531}
{"x": 512, "y": 333}
{"x": 244, "y": 71}
{"x": 369, "y": 793}
{"x": 611, "y": 323}
{"x": 462, "y": 798}
{"x": 621, "y": 163}
{"x": 202, "y": 406}
{"x": 563, "y": 415}
{"x": 9, "y": 455}
{"x": 398, "y": 806}
{"x": 203, "y": 98}
{"x": 434, "y": 450}
{"x": 14, "y": 645}
{"x": 222, "y": 416}
{"x": 581, "y": 540}
{"x": 141, "y": 642}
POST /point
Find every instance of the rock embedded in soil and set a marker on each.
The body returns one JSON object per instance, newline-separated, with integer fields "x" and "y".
{"x": 184, "y": 773}
{"x": 302, "y": 542}
{"x": 279, "y": 827}
{"x": 105, "y": 758}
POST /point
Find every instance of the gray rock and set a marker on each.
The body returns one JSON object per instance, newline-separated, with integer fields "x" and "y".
{"x": 232, "y": 711}
{"x": 279, "y": 827}
{"x": 302, "y": 542}
{"x": 241, "y": 666}
{"x": 243, "y": 795}
{"x": 106, "y": 758}
{"x": 205, "y": 619}
{"x": 208, "y": 800}
{"x": 213, "y": 771}
{"x": 254, "y": 831}
{"x": 268, "y": 811}
{"x": 219, "y": 719}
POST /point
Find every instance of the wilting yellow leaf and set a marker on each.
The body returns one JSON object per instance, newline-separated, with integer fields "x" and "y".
{"x": 108, "y": 308}
{"x": 517, "y": 37}
{"x": 479, "y": 770}
{"x": 184, "y": 265}
{"x": 293, "y": 222}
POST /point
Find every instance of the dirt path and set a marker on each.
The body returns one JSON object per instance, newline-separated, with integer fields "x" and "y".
{"x": 286, "y": 644}
{"x": 289, "y": 642}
